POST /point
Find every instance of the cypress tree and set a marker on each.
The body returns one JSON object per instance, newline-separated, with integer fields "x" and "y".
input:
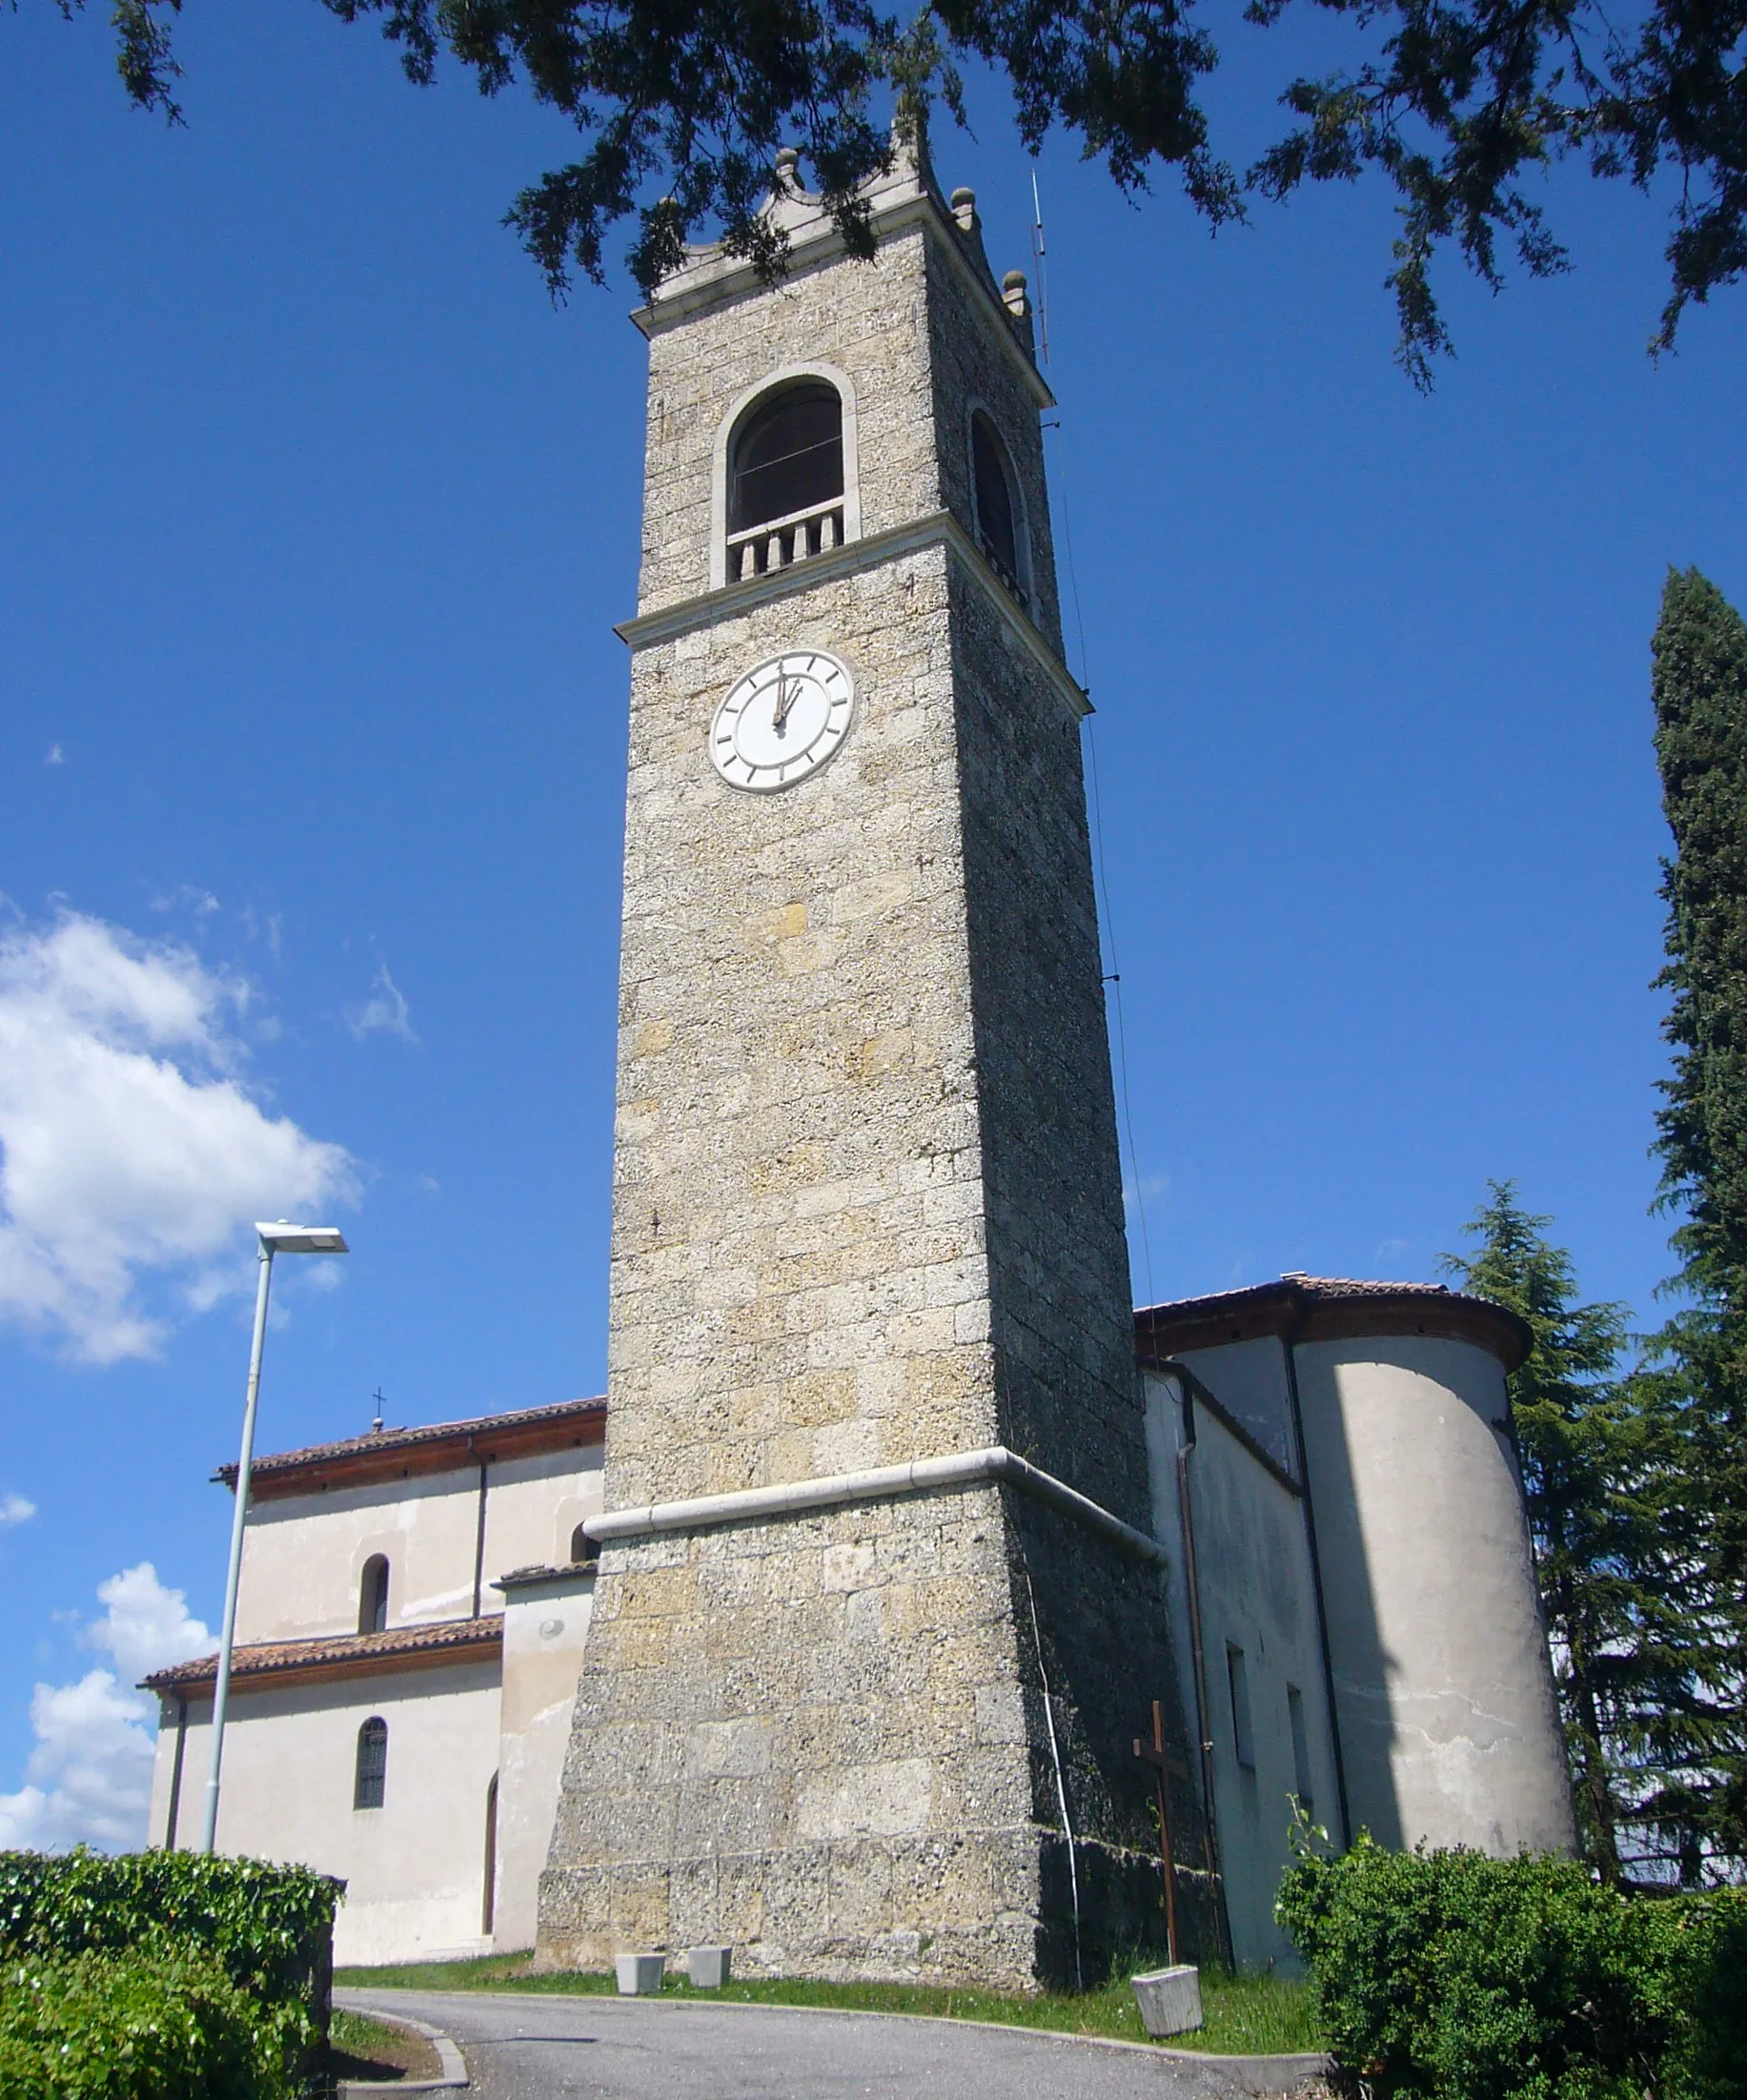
{"x": 1700, "y": 686}
{"x": 1595, "y": 1450}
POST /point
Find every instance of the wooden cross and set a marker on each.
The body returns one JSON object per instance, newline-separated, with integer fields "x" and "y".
{"x": 1164, "y": 1767}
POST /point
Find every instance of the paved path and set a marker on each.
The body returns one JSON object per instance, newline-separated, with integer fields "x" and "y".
{"x": 520, "y": 2046}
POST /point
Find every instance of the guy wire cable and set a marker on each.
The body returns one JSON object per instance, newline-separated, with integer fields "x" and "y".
{"x": 1114, "y": 976}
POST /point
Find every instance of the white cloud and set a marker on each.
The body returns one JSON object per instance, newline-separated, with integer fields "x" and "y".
{"x": 16, "y": 1509}
{"x": 146, "y": 1626}
{"x": 55, "y": 756}
{"x": 188, "y": 897}
{"x": 128, "y": 1148}
{"x": 89, "y": 1777}
{"x": 385, "y": 1013}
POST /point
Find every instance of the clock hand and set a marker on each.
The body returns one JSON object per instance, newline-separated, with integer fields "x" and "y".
{"x": 779, "y": 720}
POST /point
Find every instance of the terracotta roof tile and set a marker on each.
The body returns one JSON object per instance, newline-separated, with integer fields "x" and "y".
{"x": 1328, "y": 1308}
{"x": 379, "y": 1441}
{"x": 1293, "y": 1283}
{"x": 348, "y": 1651}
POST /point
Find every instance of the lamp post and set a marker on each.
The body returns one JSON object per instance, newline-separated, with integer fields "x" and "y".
{"x": 279, "y": 1238}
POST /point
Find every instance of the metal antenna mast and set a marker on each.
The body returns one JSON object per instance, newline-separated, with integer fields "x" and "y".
{"x": 1043, "y": 281}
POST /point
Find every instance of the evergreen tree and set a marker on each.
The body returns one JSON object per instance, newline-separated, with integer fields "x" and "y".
{"x": 1700, "y": 688}
{"x": 1595, "y": 1452}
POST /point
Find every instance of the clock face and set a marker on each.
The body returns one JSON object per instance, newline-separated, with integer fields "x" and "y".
{"x": 783, "y": 721}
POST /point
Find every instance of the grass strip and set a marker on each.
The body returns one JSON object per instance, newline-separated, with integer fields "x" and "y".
{"x": 1245, "y": 2015}
{"x": 361, "y": 2048}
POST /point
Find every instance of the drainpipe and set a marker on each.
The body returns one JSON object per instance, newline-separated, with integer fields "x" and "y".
{"x": 175, "y": 1773}
{"x": 1290, "y": 1342}
{"x": 479, "y": 1540}
{"x": 1186, "y": 1383}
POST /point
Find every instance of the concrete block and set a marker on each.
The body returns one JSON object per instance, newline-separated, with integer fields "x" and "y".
{"x": 707, "y": 1967}
{"x": 639, "y": 1975}
{"x": 1169, "y": 2000}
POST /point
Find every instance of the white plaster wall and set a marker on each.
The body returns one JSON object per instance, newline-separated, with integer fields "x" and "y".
{"x": 304, "y": 1555}
{"x": 1164, "y": 1405}
{"x": 188, "y": 1795}
{"x": 532, "y": 1505}
{"x": 1448, "y": 1728}
{"x": 414, "y": 1869}
{"x": 1249, "y": 1380}
{"x": 544, "y": 1629}
{"x": 1257, "y": 1593}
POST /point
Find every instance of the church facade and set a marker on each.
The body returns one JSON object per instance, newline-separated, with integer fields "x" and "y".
{"x": 904, "y": 1528}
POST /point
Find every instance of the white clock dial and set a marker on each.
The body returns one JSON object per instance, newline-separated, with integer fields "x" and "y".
{"x": 783, "y": 721}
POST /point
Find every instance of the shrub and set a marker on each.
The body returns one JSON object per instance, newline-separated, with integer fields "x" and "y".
{"x": 267, "y": 1930}
{"x": 1453, "y": 1976}
{"x": 140, "y": 2026}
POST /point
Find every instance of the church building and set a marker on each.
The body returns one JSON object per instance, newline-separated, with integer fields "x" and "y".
{"x": 838, "y": 1631}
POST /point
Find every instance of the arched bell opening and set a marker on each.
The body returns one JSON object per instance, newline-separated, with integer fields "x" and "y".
{"x": 999, "y": 507}
{"x": 788, "y": 476}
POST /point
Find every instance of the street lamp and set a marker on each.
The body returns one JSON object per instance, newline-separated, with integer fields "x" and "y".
{"x": 282, "y": 1238}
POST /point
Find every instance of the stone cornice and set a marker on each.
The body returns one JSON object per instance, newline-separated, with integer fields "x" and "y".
{"x": 939, "y": 528}
{"x": 992, "y": 1466}
{"x": 820, "y": 243}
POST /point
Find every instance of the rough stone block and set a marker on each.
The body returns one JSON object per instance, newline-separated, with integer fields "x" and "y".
{"x": 1169, "y": 2000}
{"x": 707, "y": 1967}
{"x": 639, "y": 1975}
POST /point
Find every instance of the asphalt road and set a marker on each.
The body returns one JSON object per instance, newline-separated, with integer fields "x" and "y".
{"x": 522, "y": 2047}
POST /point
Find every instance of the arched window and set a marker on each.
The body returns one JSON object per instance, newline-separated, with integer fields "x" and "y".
{"x": 998, "y": 524}
{"x": 373, "y": 1595}
{"x": 584, "y": 1551}
{"x": 785, "y": 478}
{"x": 371, "y": 1780}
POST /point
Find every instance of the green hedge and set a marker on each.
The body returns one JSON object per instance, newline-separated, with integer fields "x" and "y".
{"x": 1453, "y": 1976}
{"x": 141, "y": 2025}
{"x": 265, "y": 1932}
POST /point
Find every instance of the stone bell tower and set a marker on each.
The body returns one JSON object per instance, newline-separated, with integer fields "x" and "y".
{"x": 877, "y": 1618}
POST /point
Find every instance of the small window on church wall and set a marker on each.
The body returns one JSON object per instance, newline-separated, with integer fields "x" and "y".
{"x": 788, "y": 455}
{"x": 583, "y": 1550}
{"x": 997, "y": 512}
{"x": 373, "y": 1595}
{"x": 1237, "y": 1673}
{"x": 1301, "y": 1748}
{"x": 371, "y": 1778}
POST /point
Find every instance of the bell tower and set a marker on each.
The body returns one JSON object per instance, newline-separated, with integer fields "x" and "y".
{"x": 876, "y": 1616}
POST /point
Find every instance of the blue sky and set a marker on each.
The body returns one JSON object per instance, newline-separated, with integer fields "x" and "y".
{"x": 317, "y": 517}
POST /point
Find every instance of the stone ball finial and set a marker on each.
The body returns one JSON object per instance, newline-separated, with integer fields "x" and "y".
{"x": 965, "y": 207}
{"x": 787, "y": 161}
{"x": 1013, "y": 293}
{"x": 1013, "y": 281}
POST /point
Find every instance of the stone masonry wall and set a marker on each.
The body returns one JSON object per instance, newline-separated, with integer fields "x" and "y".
{"x": 1059, "y": 1260}
{"x": 806, "y": 1739}
{"x": 798, "y": 1278}
{"x": 860, "y": 1034}
{"x": 1069, "y": 1396}
{"x": 870, "y": 319}
{"x": 969, "y": 364}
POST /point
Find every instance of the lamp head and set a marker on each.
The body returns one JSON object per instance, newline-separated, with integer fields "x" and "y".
{"x": 283, "y": 1238}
